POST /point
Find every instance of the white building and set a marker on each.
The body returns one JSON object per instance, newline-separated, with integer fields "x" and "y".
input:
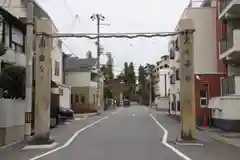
{"x": 161, "y": 82}
{"x": 82, "y": 76}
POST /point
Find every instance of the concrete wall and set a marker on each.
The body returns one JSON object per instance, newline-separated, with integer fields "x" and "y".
{"x": 225, "y": 112}
{"x": 164, "y": 84}
{"x": 78, "y": 79}
{"x": 65, "y": 98}
{"x": 12, "y": 118}
{"x": 162, "y": 103}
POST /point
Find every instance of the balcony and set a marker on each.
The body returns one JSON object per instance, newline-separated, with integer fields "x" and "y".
{"x": 230, "y": 85}
{"x": 14, "y": 57}
{"x": 230, "y": 7}
{"x": 230, "y": 45}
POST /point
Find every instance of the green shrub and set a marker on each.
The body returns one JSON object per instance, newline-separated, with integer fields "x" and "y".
{"x": 12, "y": 82}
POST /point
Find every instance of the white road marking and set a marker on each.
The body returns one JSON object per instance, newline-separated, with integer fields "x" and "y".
{"x": 69, "y": 141}
{"x": 146, "y": 109}
{"x": 189, "y": 144}
{"x": 164, "y": 140}
{"x": 117, "y": 111}
{"x": 11, "y": 144}
{"x": 40, "y": 146}
{"x": 134, "y": 115}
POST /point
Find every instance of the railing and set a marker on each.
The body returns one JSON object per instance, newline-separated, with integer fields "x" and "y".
{"x": 224, "y": 4}
{"x": 228, "y": 85}
{"x": 227, "y": 42}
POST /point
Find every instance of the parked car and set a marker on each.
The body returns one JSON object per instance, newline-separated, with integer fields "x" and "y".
{"x": 66, "y": 113}
{"x": 126, "y": 103}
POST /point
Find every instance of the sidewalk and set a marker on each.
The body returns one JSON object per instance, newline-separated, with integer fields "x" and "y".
{"x": 226, "y": 137}
{"x": 211, "y": 149}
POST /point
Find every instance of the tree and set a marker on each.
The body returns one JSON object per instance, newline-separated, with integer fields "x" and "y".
{"x": 142, "y": 91}
{"x": 131, "y": 79}
{"x": 107, "y": 71}
{"x": 125, "y": 73}
{"x": 150, "y": 68}
{"x": 12, "y": 81}
{"x": 89, "y": 55}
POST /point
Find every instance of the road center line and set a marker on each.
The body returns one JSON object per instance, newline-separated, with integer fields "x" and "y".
{"x": 146, "y": 109}
{"x": 117, "y": 111}
{"x": 164, "y": 140}
{"x": 69, "y": 141}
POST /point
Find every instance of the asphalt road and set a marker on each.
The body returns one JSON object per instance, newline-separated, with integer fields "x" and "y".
{"x": 134, "y": 133}
{"x": 130, "y": 134}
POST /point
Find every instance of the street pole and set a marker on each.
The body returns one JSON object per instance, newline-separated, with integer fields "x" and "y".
{"x": 165, "y": 84}
{"x": 187, "y": 81}
{"x": 99, "y": 18}
{"x": 29, "y": 68}
{"x": 98, "y": 61}
{"x": 150, "y": 90}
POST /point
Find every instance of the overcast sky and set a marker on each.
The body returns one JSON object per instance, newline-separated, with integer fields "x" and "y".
{"x": 122, "y": 16}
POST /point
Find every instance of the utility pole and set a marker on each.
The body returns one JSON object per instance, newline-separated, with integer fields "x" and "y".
{"x": 187, "y": 80}
{"x": 29, "y": 68}
{"x": 99, "y": 18}
{"x": 149, "y": 71}
{"x": 150, "y": 90}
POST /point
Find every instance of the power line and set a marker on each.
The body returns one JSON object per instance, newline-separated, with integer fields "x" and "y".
{"x": 65, "y": 4}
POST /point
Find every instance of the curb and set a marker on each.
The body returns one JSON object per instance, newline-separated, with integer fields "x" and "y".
{"x": 217, "y": 137}
{"x": 86, "y": 116}
{"x": 220, "y": 138}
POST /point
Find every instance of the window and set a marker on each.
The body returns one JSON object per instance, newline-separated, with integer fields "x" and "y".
{"x": 71, "y": 98}
{"x": 166, "y": 66}
{"x": 76, "y": 98}
{"x": 61, "y": 91}
{"x": 203, "y": 98}
{"x": 82, "y": 99}
{"x": 178, "y": 105}
{"x": 177, "y": 75}
{"x": 17, "y": 47}
{"x": 16, "y": 39}
{"x": 176, "y": 45}
{"x": 93, "y": 98}
{"x": 172, "y": 54}
{"x": 56, "y": 68}
{"x": 172, "y": 79}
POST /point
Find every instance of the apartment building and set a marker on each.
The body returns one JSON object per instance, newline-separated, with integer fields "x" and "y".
{"x": 160, "y": 77}
{"x": 161, "y": 82}
{"x": 225, "y": 108}
{"x": 207, "y": 77}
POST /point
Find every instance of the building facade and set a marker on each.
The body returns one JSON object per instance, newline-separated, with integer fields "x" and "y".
{"x": 224, "y": 108}
{"x": 82, "y": 76}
